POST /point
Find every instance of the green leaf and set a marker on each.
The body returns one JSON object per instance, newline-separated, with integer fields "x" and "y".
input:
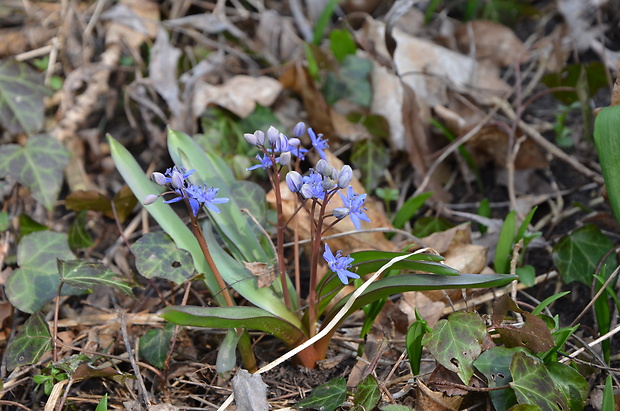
{"x": 36, "y": 281}
{"x": 527, "y": 275}
{"x": 326, "y": 397}
{"x": 503, "y": 251}
{"x": 578, "y": 254}
{"x": 234, "y": 317}
{"x": 78, "y": 236}
{"x": 494, "y": 364}
{"x": 323, "y": 21}
{"x": 85, "y": 275}
{"x": 574, "y": 387}
{"x": 27, "y": 225}
{"x": 456, "y": 342}
{"x": 103, "y": 404}
{"x": 386, "y": 287}
{"x": 547, "y": 301}
{"x": 533, "y": 384}
{"x": 484, "y": 210}
{"x": 425, "y": 226}
{"x": 393, "y": 407}
{"x": 4, "y": 221}
{"x": 30, "y": 343}
{"x": 342, "y": 44}
{"x": 409, "y": 208}
{"x": 38, "y": 165}
{"x": 155, "y": 345}
{"x": 607, "y": 141}
{"x": 608, "y": 395}
{"x": 167, "y": 219}
{"x": 211, "y": 169}
{"x": 371, "y": 159}
{"x": 417, "y": 330}
{"x": 354, "y": 74}
{"x": 157, "y": 256}
{"x": 367, "y": 394}
{"x": 21, "y": 97}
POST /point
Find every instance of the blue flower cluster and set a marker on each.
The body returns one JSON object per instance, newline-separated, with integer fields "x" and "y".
{"x": 321, "y": 183}
{"x": 196, "y": 195}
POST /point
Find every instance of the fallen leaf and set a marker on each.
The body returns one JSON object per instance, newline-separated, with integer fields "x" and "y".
{"x": 265, "y": 274}
{"x": 250, "y": 392}
{"x": 492, "y": 42}
{"x": 431, "y": 311}
{"x": 238, "y": 95}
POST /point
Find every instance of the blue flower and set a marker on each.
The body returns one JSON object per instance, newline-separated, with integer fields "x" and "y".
{"x": 294, "y": 181}
{"x": 313, "y": 186}
{"x": 318, "y": 143}
{"x": 353, "y": 207}
{"x": 265, "y": 162}
{"x": 339, "y": 264}
{"x": 201, "y": 195}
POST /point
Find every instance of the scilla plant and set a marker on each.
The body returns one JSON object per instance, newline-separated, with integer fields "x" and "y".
{"x": 228, "y": 241}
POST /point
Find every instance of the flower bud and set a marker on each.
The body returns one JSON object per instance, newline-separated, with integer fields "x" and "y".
{"x": 294, "y": 142}
{"x": 294, "y": 181}
{"x": 328, "y": 184}
{"x": 282, "y": 144}
{"x": 341, "y": 212}
{"x": 299, "y": 130}
{"x": 306, "y": 191}
{"x": 320, "y": 166}
{"x": 345, "y": 176}
{"x": 260, "y": 137}
{"x": 159, "y": 178}
{"x": 150, "y": 199}
{"x": 177, "y": 179}
{"x": 250, "y": 138}
{"x": 273, "y": 135}
{"x": 285, "y": 158}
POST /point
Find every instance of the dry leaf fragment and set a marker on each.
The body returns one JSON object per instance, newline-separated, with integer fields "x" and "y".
{"x": 492, "y": 42}
{"x": 265, "y": 274}
{"x": 163, "y": 71}
{"x": 431, "y": 311}
{"x": 239, "y": 94}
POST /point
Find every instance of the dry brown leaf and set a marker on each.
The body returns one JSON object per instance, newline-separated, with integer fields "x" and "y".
{"x": 431, "y": 311}
{"x": 131, "y": 22}
{"x": 349, "y": 243}
{"x": 163, "y": 66}
{"x": 277, "y": 34}
{"x": 443, "y": 240}
{"x": 297, "y": 78}
{"x": 266, "y": 274}
{"x": 467, "y": 258}
{"x": 429, "y": 400}
{"x": 492, "y": 42}
{"x": 239, "y": 94}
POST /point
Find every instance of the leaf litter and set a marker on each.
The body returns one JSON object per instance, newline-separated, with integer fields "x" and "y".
{"x": 216, "y": 57}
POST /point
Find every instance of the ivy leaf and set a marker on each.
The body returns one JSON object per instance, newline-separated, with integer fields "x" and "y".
{"x": 36, "y": 280}
{"x": 456, "y": 342}
{"x": 326, "y": 397}
{"x": 155, "y": 344}
{"x": 572, "y": 384}
{"x": 578, "y": 254}
{"x": 21, "y": 97}
{"x": 38, "y": 165}
{"x": 533, "y": 384}
{"x": 85, "y": 275}
{"x": 367, "y": 394}
{"x": 494, "y": 364}
{"x": 157, "y": 256}
{"x": 78, "y": 235}
{"x": 30, "y": 343}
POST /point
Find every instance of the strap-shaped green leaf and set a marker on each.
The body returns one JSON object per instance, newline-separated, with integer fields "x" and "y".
{"x": 238, "y": 317}
{"x": 607, "y": 141}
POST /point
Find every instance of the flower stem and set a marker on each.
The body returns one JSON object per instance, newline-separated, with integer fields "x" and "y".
{"x": 275, "y": 182}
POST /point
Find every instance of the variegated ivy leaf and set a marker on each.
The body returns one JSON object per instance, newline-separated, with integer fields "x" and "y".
{"x": 21, "y": 97}
{"x": 38, "y": 165}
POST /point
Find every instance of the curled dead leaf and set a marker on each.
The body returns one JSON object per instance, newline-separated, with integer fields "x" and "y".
{"x": 492, "y": 42}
